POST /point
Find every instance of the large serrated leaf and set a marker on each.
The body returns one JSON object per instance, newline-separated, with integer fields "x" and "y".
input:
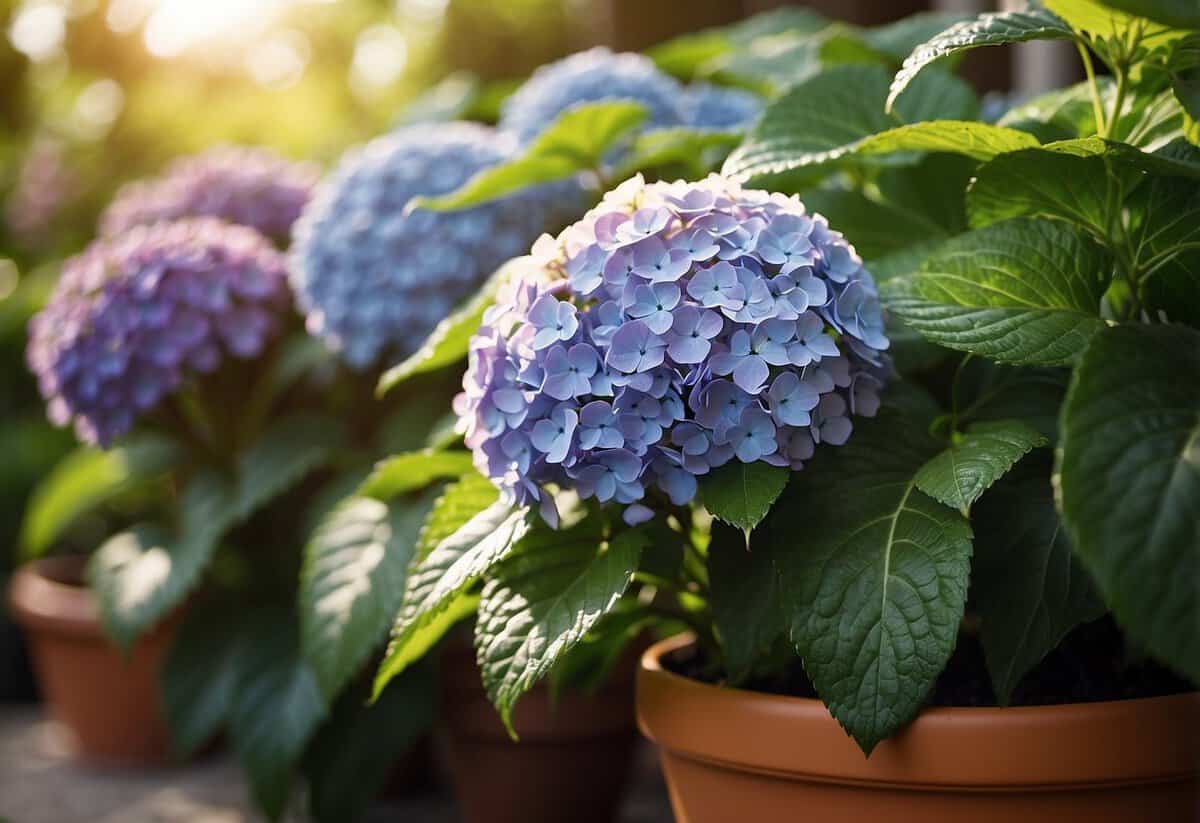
{"x": 1022, "y": 291}
{"x": 986, "y": 30}
{"x": 1102, "y": 21}
{"x": 277, "y": 708}
{"x": 839, "y": 113}
{"x": 978, "y": 458}
{"x": 575, "y": 142}
{"x": 744, "y": 595}
{"x": 352, "y": 583}
{"x": 1182, "y": 14}
{"x": 543, "y": 599}
{"x": 140, "y": 575}
{"x": 1028, "y": 587}
{"x": 462, "y": 500}
{"x": 410, "y": 472}
{"x": 875, "y": 580}
{"x": 437, "y": 584}
{"x": 741, "y": 494}
{"x": 1129, "y": 482}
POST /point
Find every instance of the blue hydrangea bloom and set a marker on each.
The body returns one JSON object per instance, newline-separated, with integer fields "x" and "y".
{"x": 374, "y": 277}
{"x": 248, "y": 186}
{"x": 134, "y": 315}
{"x": 720, "y": 108}
{"x": 589, "y": 77}
{"x": 676, "y": 327}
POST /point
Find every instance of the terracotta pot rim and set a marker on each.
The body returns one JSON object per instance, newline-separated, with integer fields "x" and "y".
{"x": 967, "y": 748}
{"x": 41, "y": 602}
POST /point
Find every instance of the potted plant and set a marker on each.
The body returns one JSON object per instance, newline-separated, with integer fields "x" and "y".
{"x": 913, "y": 585}
{"x": 173, "y": 344}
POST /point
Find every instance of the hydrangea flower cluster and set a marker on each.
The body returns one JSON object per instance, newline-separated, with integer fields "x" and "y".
{"x": 374, "y": 276}
{"x": 243, "y": 185}
{"x": 133, "y": 315}
{"x": 675, "y": 328}
{"x": 719, "y": 107}
{"x": 589, "y": 77}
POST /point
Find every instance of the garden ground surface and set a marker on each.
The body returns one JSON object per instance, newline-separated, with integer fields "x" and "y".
{"x": 39, "y": 784}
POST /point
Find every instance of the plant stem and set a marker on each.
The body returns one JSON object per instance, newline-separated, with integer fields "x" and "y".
{"x": 1118, "y": 104}
{"x": 1089, "y": 69}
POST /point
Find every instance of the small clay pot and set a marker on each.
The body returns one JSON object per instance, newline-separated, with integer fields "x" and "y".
{"x": 730, "y": 754}
{"x": 107, "y": 702}
{"x": 571, "y": 762}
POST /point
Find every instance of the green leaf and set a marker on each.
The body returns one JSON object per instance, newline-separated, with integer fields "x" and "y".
{"x": 1022, "y": 291}
{"x": 437, "y": 584}
{"x": 353, "y": 755}
{"x": 352, "y": 583}
{"x": 934, "y": 188}
{"x": 1029, "y": 589}
{"x": 199, "y": 677}
{"x": 1102, "y": 21}
{"x": 975, "y": 460}
{"x": 284, "y": 454}
{"x": 1184, "y": 68}
{"x": 744, "y": 595}
{"x": 1129, "y": 482}
{"x": 462, "y": 500}
{"x": 741, "y": 494}
{"x": 986, "y": 30}
{"x": 1164, "y": 232}
{"x": 1065, "y": 113}
{"x": 684, "y": 56}
{"x": 410, "y": 472}
{"x": 897, "y": 40}
{"x": 875, "y": 575}
{"x": 698, "y": 151}
{"x": 878, "y": 228}
{"x": 1181, "y": 14}
{"x": 277, "y": 708}
{"x": 447, "y": 343}
{"x": 139, "y": 576}
{"x": 86, "y": 479}
{"x": 840, "y": 113}
{"x": 989, "y": 391}
{"x": 542, "y": 600}
{"x": 1165, "y": 160}
{"x": 576, "y": 141}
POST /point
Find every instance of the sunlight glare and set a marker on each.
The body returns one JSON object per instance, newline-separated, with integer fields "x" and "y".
{"x": 178, "y": 25}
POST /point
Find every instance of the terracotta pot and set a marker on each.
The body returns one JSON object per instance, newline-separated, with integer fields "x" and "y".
{"x": 108, "y": 703}
{"x": 572, "y": 760}
{"x": 737, "y": 755}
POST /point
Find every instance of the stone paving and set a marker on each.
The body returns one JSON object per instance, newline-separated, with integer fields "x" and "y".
{"x": 39, "y": 784}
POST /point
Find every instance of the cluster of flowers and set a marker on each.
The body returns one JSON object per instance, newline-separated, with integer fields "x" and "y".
{"x": 675, "y": 328}
{"x": 599, "y": 74}
{"x": 373, "y": 276}
{"x": 134, "y": 315}
{"x": 243, "y": 185}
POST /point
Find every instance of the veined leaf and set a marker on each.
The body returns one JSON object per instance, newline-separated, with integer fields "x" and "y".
{"x": 1102, "y": 21}
{"x": 992, "y": 29}
{"x": 462, "y": 500}
{"x": 355, "y": 569}
{"x": 540, "y": 602}
{"x": 1029, "y": 589}
{"x": 977, "y": 459}
{"x": 1164, "y": 231}
{"x": 1022, "y": 291}
{"x": 1129, "y": 482}
{"x": 576, "y": 141}
{"x": 436, "y": 585}
{"x": 741, "y": 494}
{"x": 876, "y": 580}
{"x": 840, "y": 112}
{"x": 410, "y": 472}
{"x": 140, "y": 575}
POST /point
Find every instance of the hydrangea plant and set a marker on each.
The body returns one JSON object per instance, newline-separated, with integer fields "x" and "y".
{"x": 1035, "y": 451}
{"x": 359, "y": 237}
{"x": 239, "y": 184}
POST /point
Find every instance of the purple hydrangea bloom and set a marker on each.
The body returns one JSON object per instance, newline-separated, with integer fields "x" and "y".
{"x": 248, "y": 186}
{"x": 676, "y": 327}
{"x": 134, "y": 315}
{"x": 373, "y": 276}
{"x": 590, "y": 77}
{"x": 720, "y": 108}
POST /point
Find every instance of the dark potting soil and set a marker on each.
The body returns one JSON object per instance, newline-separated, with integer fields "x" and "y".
{"x": 1090, "y": 665}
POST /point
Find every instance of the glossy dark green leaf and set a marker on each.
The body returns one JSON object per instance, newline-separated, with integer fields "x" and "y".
{"x": 977, "y": 458}
{"x": 744, "y": 594}
{"x": 1129, "y": 482}
{"x": 404, "y": 473}
{"x": 740, "y": 493}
